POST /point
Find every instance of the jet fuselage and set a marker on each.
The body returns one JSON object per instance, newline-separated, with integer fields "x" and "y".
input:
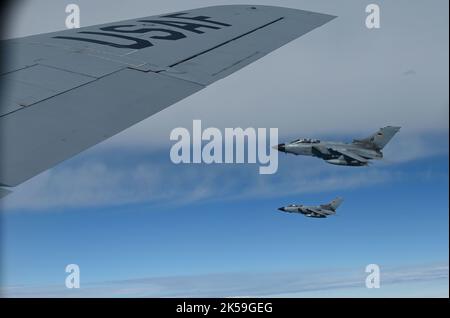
{"x": 321, "y": 149}
{"x": 306, "y": 211}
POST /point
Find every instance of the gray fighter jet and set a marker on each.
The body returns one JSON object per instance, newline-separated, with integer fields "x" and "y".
{"x": 357, "y": 153}
{"x": 321, "y": 211}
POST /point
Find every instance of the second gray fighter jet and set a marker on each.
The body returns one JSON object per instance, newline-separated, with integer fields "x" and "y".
{"x": 321, "y": 211}
{"x": 357, "y": 153}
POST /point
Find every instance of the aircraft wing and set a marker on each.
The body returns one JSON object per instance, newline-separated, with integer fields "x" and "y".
{"x": 316, "y": 211}
{"x": 349, "y": 154}
{"x": 66, "y": 91}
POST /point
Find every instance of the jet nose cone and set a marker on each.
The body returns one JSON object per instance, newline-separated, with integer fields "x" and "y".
{"x": 282, "y": 209}
{"x": 280, "y": 147}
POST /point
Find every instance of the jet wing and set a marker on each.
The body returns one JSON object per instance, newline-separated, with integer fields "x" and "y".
{"x": 351, "y": 155}
{"x": 316, "y": 211}
{"x": 348, "y": 154}
{"x": 66, "y": 91}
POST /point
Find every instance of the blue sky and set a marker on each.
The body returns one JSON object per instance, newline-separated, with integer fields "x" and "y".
{"x": 139, "y": 225}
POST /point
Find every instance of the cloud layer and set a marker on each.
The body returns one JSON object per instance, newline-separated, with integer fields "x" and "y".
{"x": 279, "y": 284}
{"x": 99, "y": 178}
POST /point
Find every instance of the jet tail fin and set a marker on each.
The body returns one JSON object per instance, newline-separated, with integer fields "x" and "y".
{"x": 333, "y": 205}
{"x": 380, "y": 139}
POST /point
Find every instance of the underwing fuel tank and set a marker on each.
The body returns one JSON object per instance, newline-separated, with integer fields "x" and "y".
{"x": 339, "y": 162}
{"x": 343, "y": 162}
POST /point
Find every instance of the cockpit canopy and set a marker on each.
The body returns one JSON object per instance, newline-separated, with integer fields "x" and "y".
{"x": 293, "y": 205}
{"x": 306, "y": 141}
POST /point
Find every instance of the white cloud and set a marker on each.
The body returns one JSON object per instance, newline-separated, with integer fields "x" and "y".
{"x": 95, "y": 178}
{"x": 98, "y": 182}
{"x": 329, "y": 283}
{"x": 406, "y": 147}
